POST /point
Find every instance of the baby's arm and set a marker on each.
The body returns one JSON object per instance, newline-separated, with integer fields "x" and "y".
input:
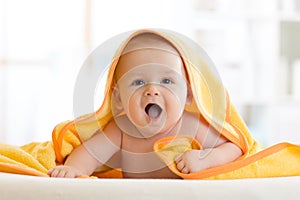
{"x": 217, "y": 150}
{"x": 79, "y": 163}
{"x": 91, "y": 155}
{"x": 198, "y": 160}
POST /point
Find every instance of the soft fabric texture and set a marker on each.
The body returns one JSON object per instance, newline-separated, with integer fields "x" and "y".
{"x": 211, "y": 101}
{"x": 16, "y": 187}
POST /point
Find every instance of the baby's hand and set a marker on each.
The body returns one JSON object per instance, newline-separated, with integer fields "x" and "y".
{"x": 64, "y": 172}
{"x": 192, "y": 161}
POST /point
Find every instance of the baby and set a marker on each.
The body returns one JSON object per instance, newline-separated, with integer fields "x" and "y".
{"x": 148, "y": 103}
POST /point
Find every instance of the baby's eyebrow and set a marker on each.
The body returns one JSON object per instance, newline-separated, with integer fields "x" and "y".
{"x": 163, "y": 70}
{"x": 168, "y": 71}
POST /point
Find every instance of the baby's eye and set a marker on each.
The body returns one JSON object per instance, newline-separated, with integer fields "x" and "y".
{"x": 138, "y": 82}
{"x": 166, "y": 81}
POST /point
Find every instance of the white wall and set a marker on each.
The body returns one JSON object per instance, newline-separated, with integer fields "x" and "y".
{"x": 43, "y": 44}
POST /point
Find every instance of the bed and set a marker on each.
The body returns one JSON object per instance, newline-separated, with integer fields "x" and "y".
{"x": 30, "y": 187}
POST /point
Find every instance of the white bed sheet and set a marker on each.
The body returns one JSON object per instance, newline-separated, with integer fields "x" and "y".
{"x": 28, "y": 187}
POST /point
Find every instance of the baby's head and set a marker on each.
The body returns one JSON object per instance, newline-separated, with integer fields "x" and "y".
{"x": 152, "y": 87}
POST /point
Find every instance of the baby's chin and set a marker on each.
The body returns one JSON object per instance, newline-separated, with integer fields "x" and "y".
{"x": 151, "y": 127}
{"x": 158, "y": 126}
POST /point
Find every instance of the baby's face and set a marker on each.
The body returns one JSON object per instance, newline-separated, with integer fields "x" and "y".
{"x": 152, "y": 88}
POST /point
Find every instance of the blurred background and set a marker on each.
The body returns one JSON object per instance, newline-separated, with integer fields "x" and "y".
{"x": 255, "y": 45}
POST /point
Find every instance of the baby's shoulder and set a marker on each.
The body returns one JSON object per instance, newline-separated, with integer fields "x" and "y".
{"x": 195, "y": 121}
{"x": 111, "y": 127}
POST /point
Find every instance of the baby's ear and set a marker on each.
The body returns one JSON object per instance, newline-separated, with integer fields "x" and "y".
{"x": 116, "y": 99}
{"x": 189, "y": 96}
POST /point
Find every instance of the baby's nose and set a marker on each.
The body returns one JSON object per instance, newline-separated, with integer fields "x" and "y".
{"x": 151, "y": 90}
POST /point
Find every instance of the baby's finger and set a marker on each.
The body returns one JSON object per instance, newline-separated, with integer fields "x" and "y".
{"x": 180, "y": 165}
{"x": 50, "y": 171}
{"x": 53, "y": 173}
{"x": 61, "y": 174}
{"x": 185, "y": 170}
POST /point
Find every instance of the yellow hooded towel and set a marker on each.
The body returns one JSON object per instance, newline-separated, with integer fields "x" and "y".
{"x": 210, "y": 100}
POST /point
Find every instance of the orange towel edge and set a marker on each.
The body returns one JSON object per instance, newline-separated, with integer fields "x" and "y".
{"x": 238, "y": 163}
{"x": 23, "y": 170}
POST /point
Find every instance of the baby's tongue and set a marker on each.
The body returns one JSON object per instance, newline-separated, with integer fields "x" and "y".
{"x": 154, "y": 111}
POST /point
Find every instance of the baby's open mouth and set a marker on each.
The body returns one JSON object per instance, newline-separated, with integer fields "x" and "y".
{"x": 153, "y": 110}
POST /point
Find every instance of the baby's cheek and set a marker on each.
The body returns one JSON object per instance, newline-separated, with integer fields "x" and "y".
{"x": 174, "y": 104}
{"x": 135, "y": 111}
